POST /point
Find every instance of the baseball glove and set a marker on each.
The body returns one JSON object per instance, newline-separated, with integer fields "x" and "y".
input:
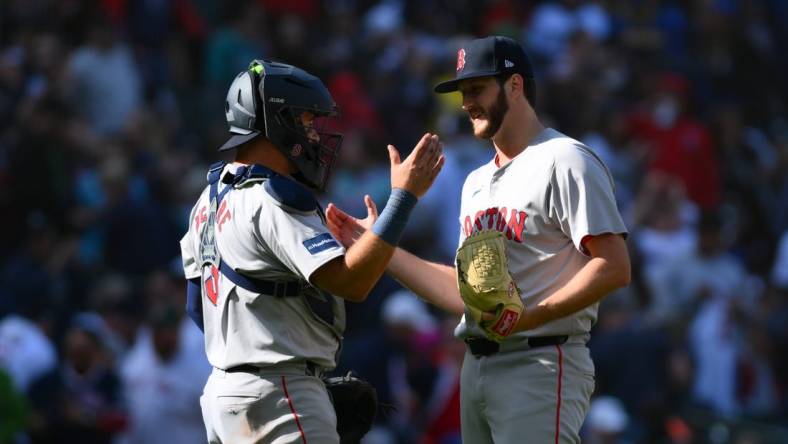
{"x": 486, "y": 285}
{"x": 355, "y": 402}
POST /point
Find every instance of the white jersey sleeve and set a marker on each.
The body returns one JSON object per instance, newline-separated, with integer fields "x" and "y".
{"x": 300, "y": 240}
{"x": 581, "y": 201}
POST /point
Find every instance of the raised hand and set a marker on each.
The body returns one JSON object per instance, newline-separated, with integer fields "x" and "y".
{"x": 419, "y": 170}
{"x": 346, "y": 228}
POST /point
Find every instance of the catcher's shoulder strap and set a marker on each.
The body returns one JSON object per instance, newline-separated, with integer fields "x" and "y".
{"x": 261, "y": 286}
{"x": 215, "y": 172}
{"x": 290, "y": 195}
{"x": 285, "y": 192}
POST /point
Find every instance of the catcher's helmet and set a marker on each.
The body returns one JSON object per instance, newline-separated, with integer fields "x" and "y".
{"x": 292, "y": 109}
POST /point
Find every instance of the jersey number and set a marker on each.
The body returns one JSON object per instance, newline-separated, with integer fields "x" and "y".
{"x": 212, "y": 285}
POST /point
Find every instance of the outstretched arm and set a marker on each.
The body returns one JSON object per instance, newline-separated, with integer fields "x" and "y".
{"x": 435, "y": 283}
{"x": 353, "y": 275}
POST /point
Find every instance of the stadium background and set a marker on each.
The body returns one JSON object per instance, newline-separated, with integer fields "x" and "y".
{"x": 111, "y": 110}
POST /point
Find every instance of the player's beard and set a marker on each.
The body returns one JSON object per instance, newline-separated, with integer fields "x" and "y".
{"x": 494, "y": 116}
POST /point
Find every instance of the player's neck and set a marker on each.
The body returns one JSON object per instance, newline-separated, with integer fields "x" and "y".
{"x": 266, "y": 155}
{"x": 515, "y": 135}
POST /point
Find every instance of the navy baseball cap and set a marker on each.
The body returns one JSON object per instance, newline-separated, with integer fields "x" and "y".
{"x": 488, "y": 56}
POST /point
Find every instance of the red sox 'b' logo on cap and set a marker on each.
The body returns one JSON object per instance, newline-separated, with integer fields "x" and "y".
{"x": 460, "y": 59}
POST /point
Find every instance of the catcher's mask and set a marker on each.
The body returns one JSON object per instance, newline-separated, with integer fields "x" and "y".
{"x": 292, "y": 109}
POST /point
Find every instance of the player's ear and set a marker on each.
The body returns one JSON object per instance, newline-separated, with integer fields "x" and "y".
{"x": 516, "y": 84}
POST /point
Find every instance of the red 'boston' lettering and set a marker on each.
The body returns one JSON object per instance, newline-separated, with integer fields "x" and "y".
{"x": 224, "y": 214}
{"x": 513, "y": 227}
{"x": 516, "y": 225}
{"x": 500, "y": 224}
{"x": 200, "y": 218}
{"x": 491, "y": 212}
{"x": 478, "y": 220}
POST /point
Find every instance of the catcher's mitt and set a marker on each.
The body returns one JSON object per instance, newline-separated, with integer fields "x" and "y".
{"x": 486, "y": 285}
{"x": 355, "y": 402}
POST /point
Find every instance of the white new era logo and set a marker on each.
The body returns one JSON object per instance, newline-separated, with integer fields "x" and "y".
{"x": 507, "y": 63}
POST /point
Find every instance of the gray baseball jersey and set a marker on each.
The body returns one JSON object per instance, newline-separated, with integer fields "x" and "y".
{"x": 545, "y": 201}
{"x": 262, "y": 238}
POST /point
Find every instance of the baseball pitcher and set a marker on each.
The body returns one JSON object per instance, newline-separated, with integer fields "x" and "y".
{"x": 541, "y": 243}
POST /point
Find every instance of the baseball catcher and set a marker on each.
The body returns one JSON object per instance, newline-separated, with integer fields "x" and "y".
{"x": 268, "y": 281}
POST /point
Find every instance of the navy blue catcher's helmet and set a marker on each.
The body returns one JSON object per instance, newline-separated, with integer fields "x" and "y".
{"x": 270, "y": 99}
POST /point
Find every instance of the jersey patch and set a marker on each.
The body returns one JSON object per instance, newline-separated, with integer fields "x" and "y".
{"x": 320, "y": 243}
{"x": 290, "y": 195}
{"x": 209, "y": 253}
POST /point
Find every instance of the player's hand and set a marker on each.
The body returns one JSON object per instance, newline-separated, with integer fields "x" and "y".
{"x": 528, "y": 320}
{"x": 418, "y": 171}
{"x": 346, "y": 228}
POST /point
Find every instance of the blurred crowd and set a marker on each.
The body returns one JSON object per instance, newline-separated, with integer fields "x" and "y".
{"x": 111, "y": 111}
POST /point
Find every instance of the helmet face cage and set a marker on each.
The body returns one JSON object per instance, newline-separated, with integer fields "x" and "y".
{"x": 295, "y": 111}
{"x": 310, "y": 142}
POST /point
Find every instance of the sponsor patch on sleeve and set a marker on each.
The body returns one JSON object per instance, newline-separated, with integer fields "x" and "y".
{"x": 320, "y": 243}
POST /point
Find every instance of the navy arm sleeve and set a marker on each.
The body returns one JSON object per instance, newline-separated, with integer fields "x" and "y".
{"x": 194, "y": 301}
